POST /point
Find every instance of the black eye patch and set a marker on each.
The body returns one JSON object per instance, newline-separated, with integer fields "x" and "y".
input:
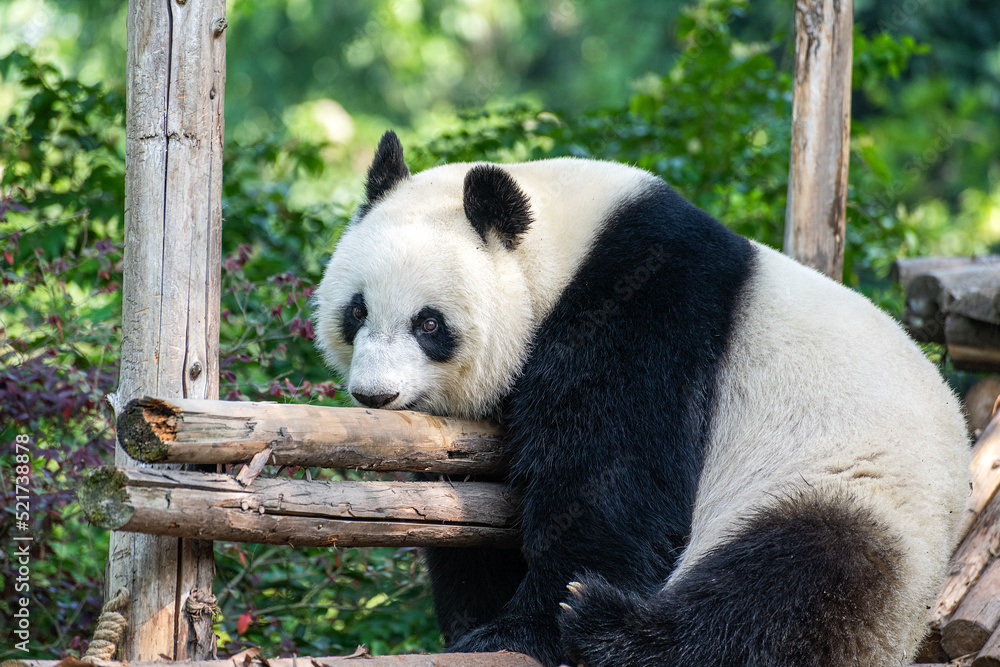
{"x": 352, "y": 317}
{"x": 434, "y": 335}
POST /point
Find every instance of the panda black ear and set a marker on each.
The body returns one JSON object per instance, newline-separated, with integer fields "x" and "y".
{"x": 493, "y": 200}
{"x": 387, "y": 169}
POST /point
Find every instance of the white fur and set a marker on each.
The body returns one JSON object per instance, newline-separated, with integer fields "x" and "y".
{"x": 806, "y": 353}
{"x": 416, "y": 248}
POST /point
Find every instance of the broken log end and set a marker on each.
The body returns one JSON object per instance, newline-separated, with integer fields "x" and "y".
{"x": 104, "y": 499}
{"x": 145, "y": 427}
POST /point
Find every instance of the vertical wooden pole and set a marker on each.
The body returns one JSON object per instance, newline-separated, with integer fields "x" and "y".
{"x": 821, "y": 130}
{"x": 170, "y": 334}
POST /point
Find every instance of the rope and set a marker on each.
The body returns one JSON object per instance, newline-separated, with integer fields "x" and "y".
{"x": 110, "y": 627}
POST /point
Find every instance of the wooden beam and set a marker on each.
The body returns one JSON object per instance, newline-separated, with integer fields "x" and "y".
{"x": 500, "y": 659}
{"x": 989, "y": 655}
{"x": 977, "y": 616}
{"x": 173, "y": 220}
{"x": 972, "y": 345}
{"x": 188, "y": 431}
{"x": 821, "y": 128}
{"x": 982, "y": 540}
{"x": 969, "y": 291}
{"x": 272, "y": 510}
{"x": 984, "y": 468}
{"x": 905, "y": 269}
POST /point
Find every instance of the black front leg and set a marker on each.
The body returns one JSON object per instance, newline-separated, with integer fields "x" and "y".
{"x": 577, "y": 526}
{"x": 471, "y": 586}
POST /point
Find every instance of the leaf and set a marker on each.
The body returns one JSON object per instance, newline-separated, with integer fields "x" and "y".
{"x": 243, "y": 624}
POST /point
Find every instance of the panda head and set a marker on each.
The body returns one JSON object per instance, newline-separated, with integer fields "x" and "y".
{"x": 425, "y": 304}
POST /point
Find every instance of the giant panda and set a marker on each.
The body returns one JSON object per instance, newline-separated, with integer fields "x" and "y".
{"x": 725, "y": 458}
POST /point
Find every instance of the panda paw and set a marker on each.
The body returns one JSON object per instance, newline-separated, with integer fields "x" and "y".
{"x": 596, "y": 622}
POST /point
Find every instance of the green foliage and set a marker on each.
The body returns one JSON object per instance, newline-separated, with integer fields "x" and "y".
{"x": 323, "y": 602}
{"x": 266, "y": 336}
{"x": 881, "y": 56}
{"x": 60, "y": 235}
{"x": 715, "y": 127}
{"x": 61, "y": 199}
{"x": 407, "y": 59}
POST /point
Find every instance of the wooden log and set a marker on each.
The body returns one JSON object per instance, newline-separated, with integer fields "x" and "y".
{"x": 175, "y": 83}
{"x": 989, "y": 655}
{"x": 300, "y": 513}
{"x": 972, "y": 345}
{"x": 213, "y": 432}
{"x": 981, "y": 403}
{"x": 968, "y": 290}
{"x": 821, "y": 126}
{"x": 976, "y": 617}
{"x": 970, "y": 559}
{"x": 981, "y": 305}
{"x": 930, "y": 649}
{"x": 984, "y": 468}
{"x": 500, "y": 659}
{"x": 905, "y": 269}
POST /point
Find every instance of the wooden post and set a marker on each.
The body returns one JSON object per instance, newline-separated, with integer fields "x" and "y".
{"x": 821, "y": 130}
{"x": 170, "y": 333}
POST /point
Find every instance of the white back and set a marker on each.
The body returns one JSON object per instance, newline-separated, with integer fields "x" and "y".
{"x": 806, "y": 354}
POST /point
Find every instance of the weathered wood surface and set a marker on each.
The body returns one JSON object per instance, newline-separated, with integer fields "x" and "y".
{"x": 185, "y": 431}
{"x": 973, "y": 555}
{"x": 982, "y": 401}
{"x": 905, "y": 269}
{"x": 969, "y": 290}
{"x": 171, "y": 284}
{"x": 501, "y": 659}
{"x": 298, "y": 512}
{"x": 976, "y": 617}
{"x": 815, "y": 216}
{"x": 930, "y": 650}
{"x": 989, "y": 655}
{"x": 984, "y": 468}
{"x": 972, "y": 345}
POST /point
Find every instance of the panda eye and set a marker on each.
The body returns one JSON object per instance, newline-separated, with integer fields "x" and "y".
{"x": 352, "y": 317}
{"x": 434, "y": 335}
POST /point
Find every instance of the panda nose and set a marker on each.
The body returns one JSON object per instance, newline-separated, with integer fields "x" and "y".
{"x": 374, "y": 400}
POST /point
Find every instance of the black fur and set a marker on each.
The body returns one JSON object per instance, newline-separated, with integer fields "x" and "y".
{"x": 386, "y": 171}
{"x": 802, "y": 585}
{"x": 608, "y": 422}
{"x": 493, "y": 200}
{"x": 471, "y": 585}
{"x": 349, "y": 323}
{"x": 439, "y": 345}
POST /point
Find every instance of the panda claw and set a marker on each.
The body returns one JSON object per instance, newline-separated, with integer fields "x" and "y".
{"x": 569, "y": 610}
{"x": 576, "y": 588}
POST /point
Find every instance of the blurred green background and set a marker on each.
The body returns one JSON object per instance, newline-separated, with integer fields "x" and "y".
{"x": 698, "y": 92}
